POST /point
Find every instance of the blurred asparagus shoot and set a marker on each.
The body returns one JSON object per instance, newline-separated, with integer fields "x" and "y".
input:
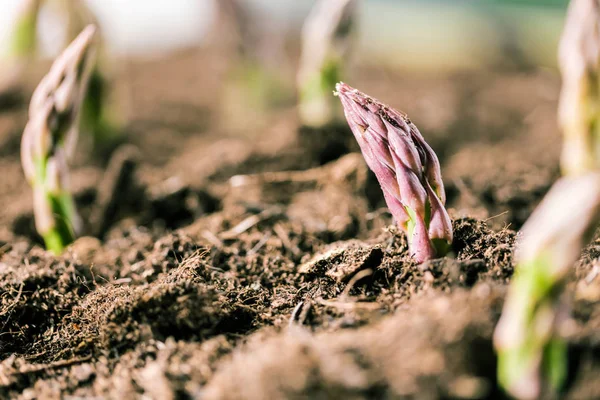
{"x": 255, "y": 49}
{"x": 49, "y": 140}
{"x": 21, "y": 46}
{"x": 326, "y": 41}
{"x": 23, "y": 41}
{"x": 532, "y": 356}
{"x": 73, "y": 16}
{"x": 579, "y": 107}
{"x": 407, "y": 169}
{"x": 532, "y": 359}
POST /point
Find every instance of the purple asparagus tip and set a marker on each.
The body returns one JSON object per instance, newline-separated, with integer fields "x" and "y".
{"x": 406, "y": 167}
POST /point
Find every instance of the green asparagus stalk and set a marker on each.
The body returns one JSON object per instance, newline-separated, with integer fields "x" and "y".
{"x": 49, "y": 139}
{"x": 326, "y": 40}
{"x": 23, "y": 41}
{"x": 532, "y": 356}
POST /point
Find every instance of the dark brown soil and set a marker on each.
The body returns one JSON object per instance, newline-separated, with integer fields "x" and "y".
{"x": 231, "y": 254}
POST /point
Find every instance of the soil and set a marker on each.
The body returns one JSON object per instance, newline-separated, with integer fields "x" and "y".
{"x": 231, "y": 254}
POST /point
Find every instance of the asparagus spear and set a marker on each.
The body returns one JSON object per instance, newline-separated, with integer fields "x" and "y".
{"x": 49, "y": 141}
{"x": 531, "y": 357}
{"x": 95, "y": 117}
{"x": 407, "y": 169}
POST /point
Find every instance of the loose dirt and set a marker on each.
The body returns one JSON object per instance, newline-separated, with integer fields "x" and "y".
{"x": 231, "y": 254}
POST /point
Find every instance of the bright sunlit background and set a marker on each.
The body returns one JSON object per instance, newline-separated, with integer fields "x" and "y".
{"x": 423, "y": 34}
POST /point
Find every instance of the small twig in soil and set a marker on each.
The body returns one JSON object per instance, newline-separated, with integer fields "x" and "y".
{"x": 93, "y": 275}
{"x": 245, "y": 307}
{"x": 296, "y": 314}
{"x": 27, "y": 369}
{"x": 495, "y": 216}
{"x": 81, "y": 280}
{"x": 121, "y": 281}
{"x": 212, "y": 238}
{"x": 5, "y": 248}
{"x": 307, "y": 176}
{"x": 9, "y": 308}
{"x": 300, "y": 313}
{"x": 260, "y": 244}
{"x": 36, "y": 355}
{"x": 285, "y": 239}
{"x": 349, "y": 305}
{"x": 357, "y": 277}
{"x": 250, "y": 222}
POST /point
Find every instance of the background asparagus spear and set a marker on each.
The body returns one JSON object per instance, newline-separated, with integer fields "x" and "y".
{"x": 23, "y": 37}
{"x": 407, "y": 169}
{"x": 326, "y": 40}
{"x": 75, "y": 16}
{"x": 49, "y": 136}
{"x": 579, "y": 108}
{"x": 532, "y": 357}
{"x": 21, "y": 47}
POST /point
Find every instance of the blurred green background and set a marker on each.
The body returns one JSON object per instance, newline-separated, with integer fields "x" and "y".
{"x": 422, "y": 34}
{"x": 464, "y": 34}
